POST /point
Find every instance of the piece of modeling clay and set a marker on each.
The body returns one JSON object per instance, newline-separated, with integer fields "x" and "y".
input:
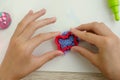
{"x": 5, "y": 20}
{"x": 66, "y": 41}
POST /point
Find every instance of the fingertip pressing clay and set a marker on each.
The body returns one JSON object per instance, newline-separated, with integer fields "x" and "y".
{"x": 66, "y": 41}
{"x": 5, "y": 20}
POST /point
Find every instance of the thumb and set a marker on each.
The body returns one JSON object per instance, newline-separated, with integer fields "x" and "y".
{"x": 41, "y": 60}
{"x": 85, "y": 53}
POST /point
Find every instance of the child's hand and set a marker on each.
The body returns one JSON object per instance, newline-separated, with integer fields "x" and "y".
{"x": 19, "y": 60}
{"x": 108, "y": 57}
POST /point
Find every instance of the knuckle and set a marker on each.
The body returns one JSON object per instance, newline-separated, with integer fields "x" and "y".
{"x": 115, "y": 40}
{"x": 86, "y": 35}
{"x": 25, "y": 48}
{"x": 101, "y": 23}
{"x": 46, "y": 36}
{"x": 52, "y": 56}
{"x": 40, "y": 36}
{"x": 95, "y": 24}
{"x": 18, "y": 44}
{"x": 32, "y": 24}
{"x": 108, "y": 42}
{"x": 42, "y": 39}
{"x": 28, "y": 48}
{"x": 48, "y": 20}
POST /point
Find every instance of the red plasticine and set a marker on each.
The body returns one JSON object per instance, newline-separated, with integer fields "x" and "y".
{"x": 76, "y": 42}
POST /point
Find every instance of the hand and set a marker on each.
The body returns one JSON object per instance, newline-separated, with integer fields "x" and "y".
{"x": 107, "y": 59}
{"x": 19, "y": 61}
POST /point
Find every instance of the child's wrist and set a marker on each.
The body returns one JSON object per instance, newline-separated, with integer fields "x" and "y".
{"x": 113, "y": 74}
{"x": 5, "y": 76}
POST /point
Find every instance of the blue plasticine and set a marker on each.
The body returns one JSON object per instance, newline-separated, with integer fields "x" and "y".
{"x": 64, "y": 33}
{"x": 67, "y": 42}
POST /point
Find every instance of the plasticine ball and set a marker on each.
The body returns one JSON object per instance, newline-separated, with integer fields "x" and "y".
{"x": 5, "y": 20}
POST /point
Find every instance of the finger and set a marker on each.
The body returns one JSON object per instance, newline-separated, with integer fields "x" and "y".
{"x": 20, "y": 25}
{"x": 89, "y": 37}
{"x": 29, "y": 31}
{"x": 98, "y": 28}
{"x": 30, "y": 17}
{"x": 37, "y": 40}
{"x": 40, "y": 60}
{"x": 37, "y": 15}
{"x": 85, "y": 53}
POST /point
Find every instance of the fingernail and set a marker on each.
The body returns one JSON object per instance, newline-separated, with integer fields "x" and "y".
{"x": 53, "y": 19}
{"x": 76, "y": 27}
{"x": 43, "y": 10}
{"x": 30, "y": 12}
{"x": 56, "y": 33}
{"x": 72, "y": 49}
{"x": 60, "y": 53}
{"x": 72, "y": 29}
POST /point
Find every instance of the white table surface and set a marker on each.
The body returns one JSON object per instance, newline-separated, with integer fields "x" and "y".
{"x": 69, "y": 13}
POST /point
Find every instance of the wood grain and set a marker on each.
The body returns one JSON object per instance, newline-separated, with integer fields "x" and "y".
{"x": 64, "y": 76}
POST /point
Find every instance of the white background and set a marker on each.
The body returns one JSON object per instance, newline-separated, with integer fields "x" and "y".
{"x": 69, "y": 13}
